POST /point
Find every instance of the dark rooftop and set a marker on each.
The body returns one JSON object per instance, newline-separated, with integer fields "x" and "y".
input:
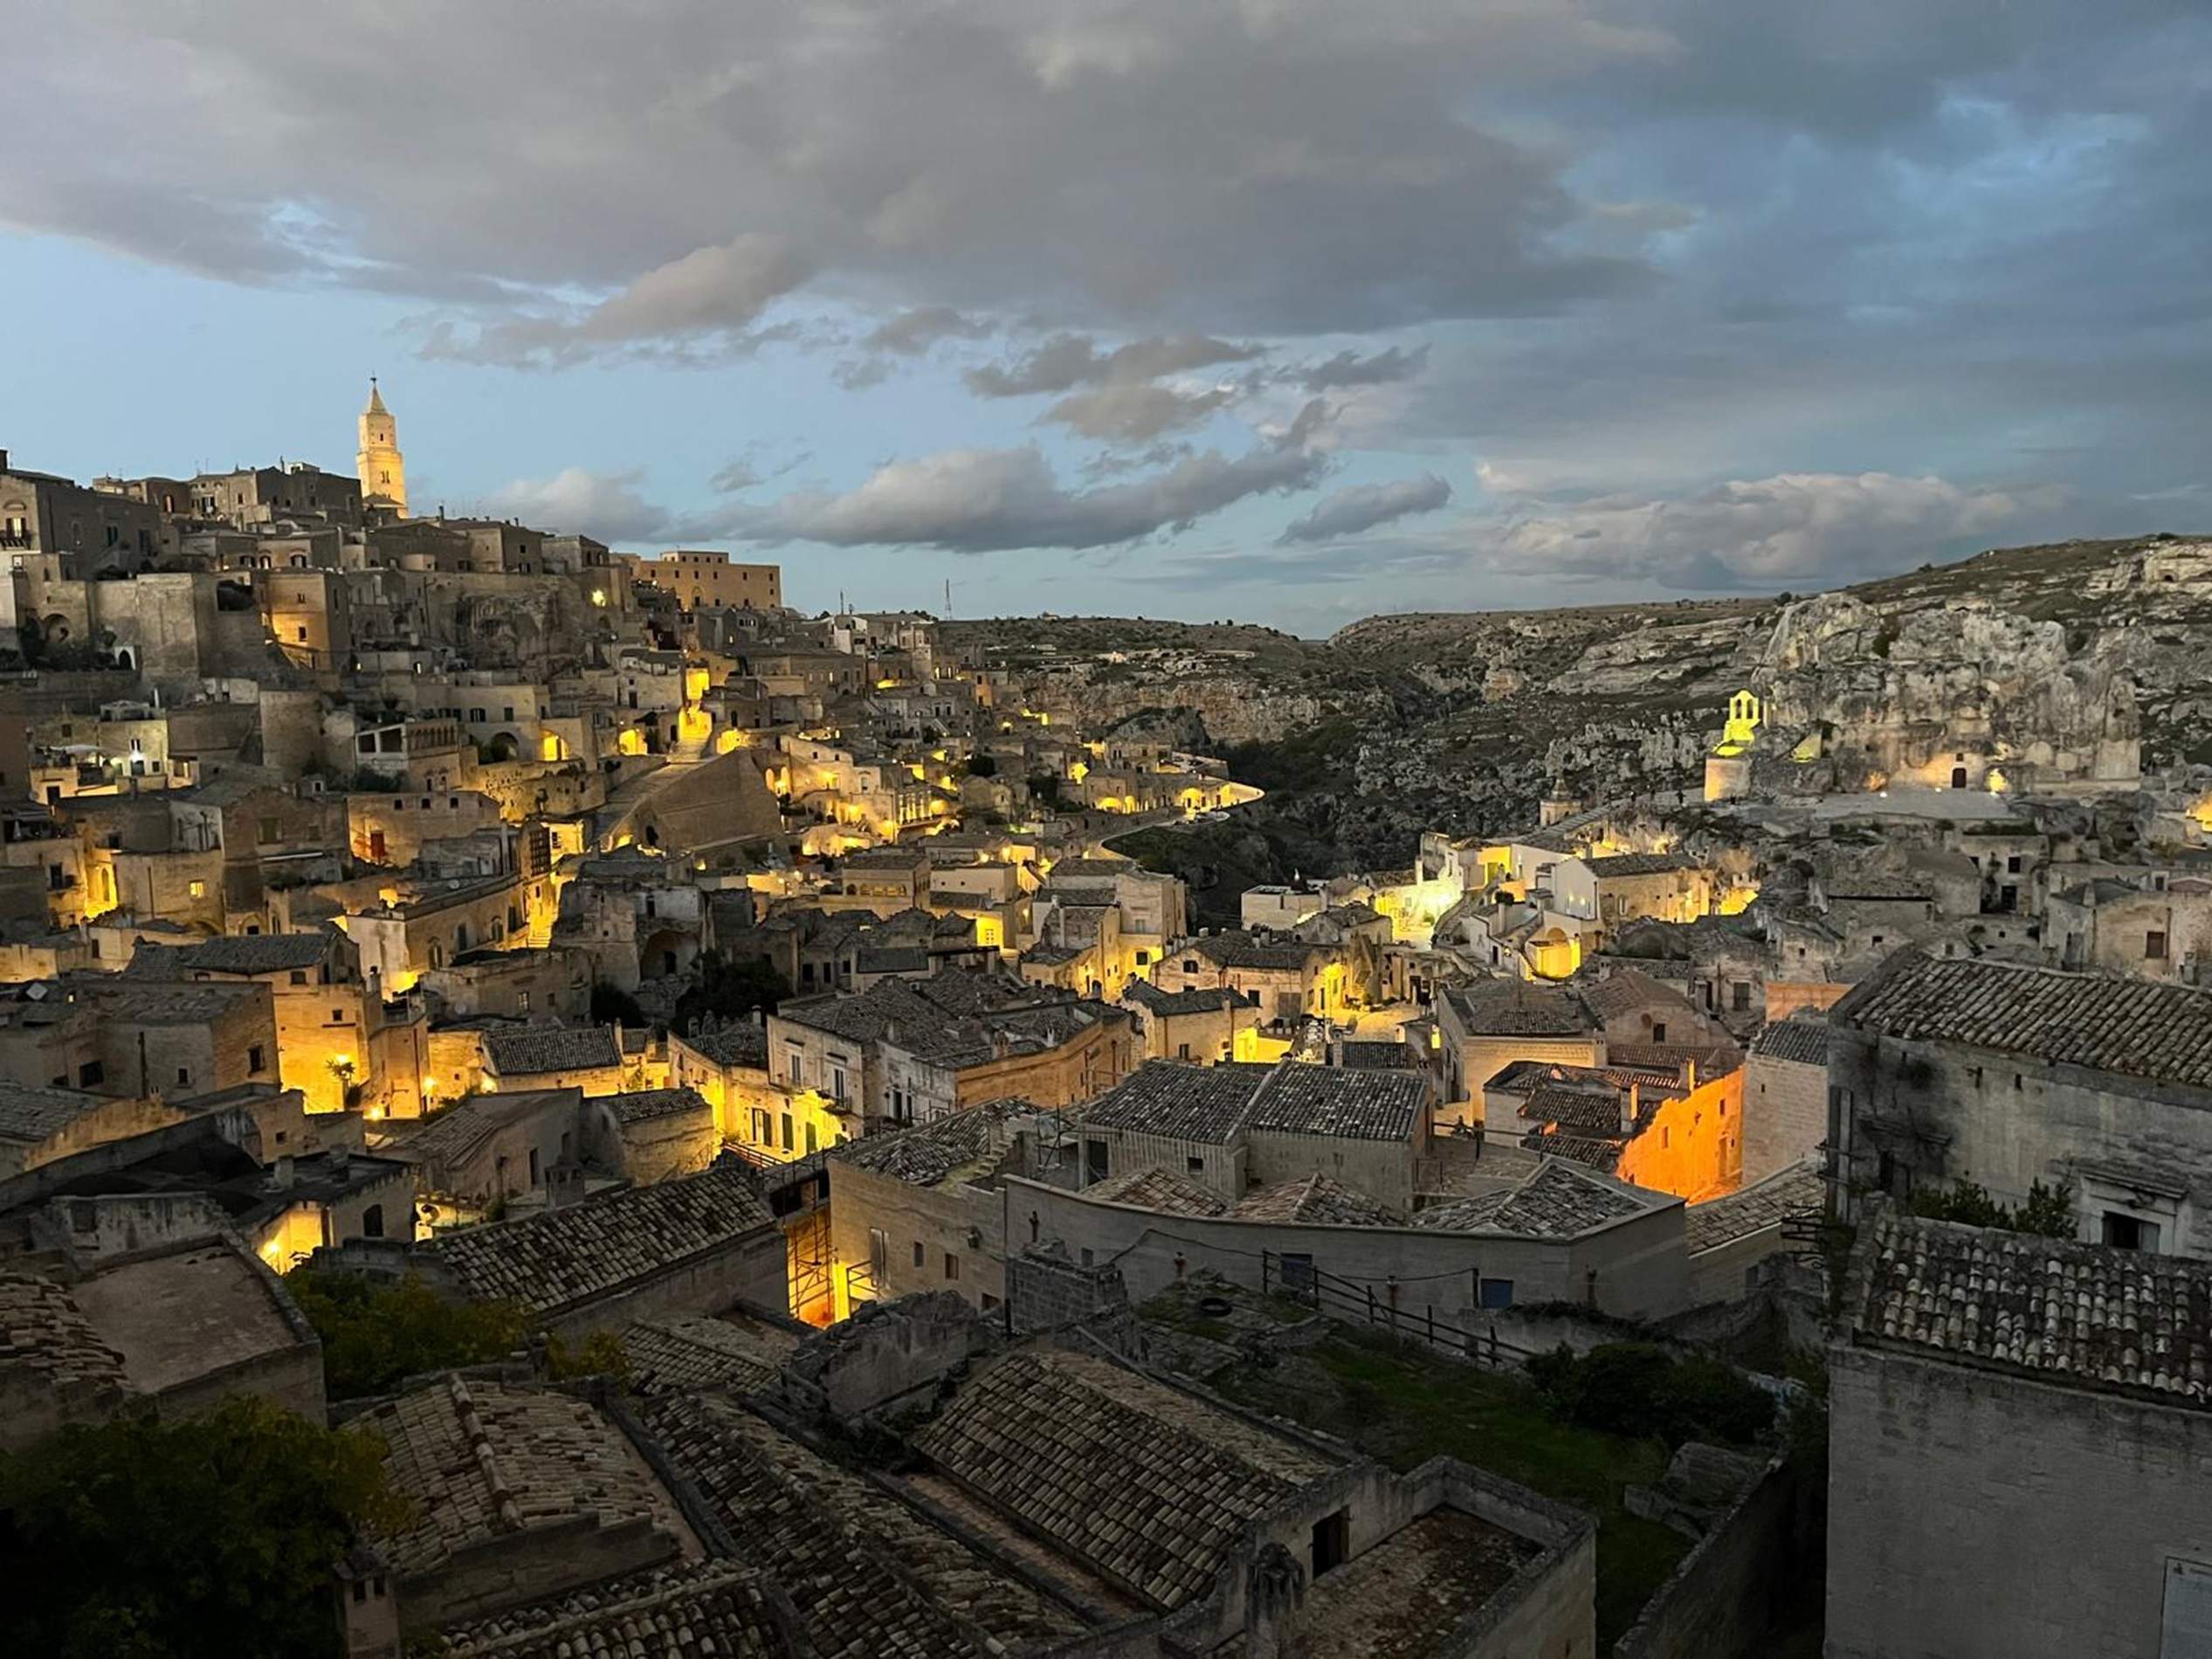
{"x": 2135, "y": 1028}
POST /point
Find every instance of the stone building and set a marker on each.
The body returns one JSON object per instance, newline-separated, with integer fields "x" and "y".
{"x": 2161, "y": 930}
{"x": 924, "y": 1208}
{"x": 648, "y": 1135}
{"x": 488, "y": 1149}
{"x": 1288, "y": 979}
{"x": 696, "y": 1244}
{"x": 327, "y": 1027}
{"x": 1200, "y": 1026}
{"x": 1236, "y": 1127}
{"x": 591, "y": 1058}
{"x": 1943, "y": 1070}
{"x": 1785, "y": 1095}
{"x": 1486, "y": 1026}
{"x": 709, "y": 580}
{"x": 514, "y": 1493}
{"x": 173, "y": 1327}
{"x": 2029, "y": 1418}
{"x": 80, "y": 529}
{"x": 1104, "y": 1454}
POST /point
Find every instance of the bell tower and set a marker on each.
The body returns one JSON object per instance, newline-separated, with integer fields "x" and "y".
{"x": 382, "y": 470}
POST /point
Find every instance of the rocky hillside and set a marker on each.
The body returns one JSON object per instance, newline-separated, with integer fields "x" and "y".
{"x": 1462, "y": 720}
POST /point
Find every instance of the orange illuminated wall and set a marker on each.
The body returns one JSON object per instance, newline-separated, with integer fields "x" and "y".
{"x": 1693, "y": 1148}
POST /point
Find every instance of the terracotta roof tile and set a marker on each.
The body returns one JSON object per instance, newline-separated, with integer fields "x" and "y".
{"x": 2088, "y": 1316}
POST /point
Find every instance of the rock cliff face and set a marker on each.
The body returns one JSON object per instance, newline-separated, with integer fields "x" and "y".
{"x": 2053, "y": 664}
{"x": 1944, "y": 693}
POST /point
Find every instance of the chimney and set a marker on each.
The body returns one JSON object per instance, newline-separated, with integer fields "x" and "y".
{"x": 1631, "y": 1104}
{"x": 4, "y": 460}
{"x": 284, "y": 1176}
{"x": 1689, "y": 1074}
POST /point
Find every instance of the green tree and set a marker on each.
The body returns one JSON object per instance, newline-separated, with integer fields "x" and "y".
{"x": 2046, "y": 1212}
{"x": 212, "y": 1535}
{"x": 374, "y": 1335}
{"x": 600, "y": 1354}
{"x": 729, "y": 990}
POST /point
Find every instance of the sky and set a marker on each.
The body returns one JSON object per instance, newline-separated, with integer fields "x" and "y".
{"x": 1284, "y": 311}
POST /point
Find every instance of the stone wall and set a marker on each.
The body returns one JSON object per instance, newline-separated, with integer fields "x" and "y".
{"x": 1982, "y": 1516}
{"x": 1047, "y": 1291}
{"x": 1785, "y": 1114}
{"x": 1640, "y": 1265}
{"x": 1728, "y": 1592}
{"x": 750, "y": 1268}
{"x": 2007, "y": 1121}
{"x": 888, "y": 1354}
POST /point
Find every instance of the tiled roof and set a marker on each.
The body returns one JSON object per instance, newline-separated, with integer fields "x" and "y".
{"x": 855, "y": 1599}
{"x": 1151, "y": 1483}
{"x": 1244, "y": 949}
{"x": 452, "y": 1136}
{"x": 28, "y": 1116}
{"x": 1212, "y": 999}
{"x": 640, "y": 1105}
{"x": 884, "y": 858}
{"x": 2136, "y": 1028}
{"x": 684, "y": 1354}
{"x": 1514, "y": 1008}
{"x": 1628, "y": 991}
{"x": 1638, "y": 864}
{"x": 1797, "y": 1190}
{"x": 1318, "y": 1202}
{"x": 1591, "y": 1110}
{"x": 1799, "y": 1041}
{"x": 1154, "y": 1188}
{"x": 1210, "y": 1104}
{"x": 1558, "y": 1202}
{"x": 745, "y": 1045}
{"x": 552, "y": 1048}
{"x": 1303, "y": 1100}
{"x": 1526, "y": 1077}
{"x": 1180, "y": 1102}
{"x": 1381, "y": 1054}
{"x": 929, "y": 1152}
{"x": 1094, "y": 869}
{"x": 723, "y": 1609}
{"x": 47, "y": 1344}
{"x": 257, "y": 953}
{"x": 2087, "y": 1316}
{"x": 1600, "y": 1152}
{"x": 475, "y": 1460}
{"x": 563, "y": 1257}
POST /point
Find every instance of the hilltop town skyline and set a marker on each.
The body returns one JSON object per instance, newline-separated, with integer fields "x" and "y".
{"x": 1263, "y": 314}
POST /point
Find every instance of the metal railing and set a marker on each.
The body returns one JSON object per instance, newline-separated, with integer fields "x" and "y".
{"x": 1394, "y": 1309}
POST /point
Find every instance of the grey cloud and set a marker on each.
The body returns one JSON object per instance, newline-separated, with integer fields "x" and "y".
{"x": 609, "y": 505}
{"x": 1764, "y": 532}
{"x": 1349, "y": 368}
{"x": 915, "y": 331}
{"x": 1362, "y": 507}
{"x": 909, "y": 335}
{"x": 1069, "y": 361}
{"x": 1115, "y": 395}
{"x": 1136, "y": 413}
{"x": 990, "y": 500}
{"x": 708, "y": 294}
{"x": 1162, "y": 170}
